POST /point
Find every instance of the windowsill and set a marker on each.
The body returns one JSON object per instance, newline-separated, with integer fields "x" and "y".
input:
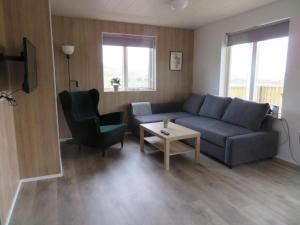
{"x": 130, "y": 90}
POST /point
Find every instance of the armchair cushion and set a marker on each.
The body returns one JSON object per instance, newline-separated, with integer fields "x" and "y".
{"x": 109, "y": 128}
{"x": 83, "y": 105}
{"x": 111, "y": 118}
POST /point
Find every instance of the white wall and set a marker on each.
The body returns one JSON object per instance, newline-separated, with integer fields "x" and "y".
{"x": 209, "y": 60}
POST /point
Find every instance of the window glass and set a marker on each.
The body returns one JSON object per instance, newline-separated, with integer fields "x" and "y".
{"x": 270, "y": 70}
{"x": 113, "y": 57}
{"x": 257, "y": 70}
{"x": 129, "y": 58}
{"x": 139, "y": 67}
{"x": 240, "y": 70}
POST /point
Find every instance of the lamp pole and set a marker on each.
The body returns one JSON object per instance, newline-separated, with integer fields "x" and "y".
{"x": 68, "y": 50}
{"x": 69, "y": 74}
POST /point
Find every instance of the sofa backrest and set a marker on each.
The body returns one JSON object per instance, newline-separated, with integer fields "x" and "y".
{"x": 166, "y": 107}
{"x": 214, "y": 106}
{"x": 246, "y": 113}
{"x": 193, "y": 103}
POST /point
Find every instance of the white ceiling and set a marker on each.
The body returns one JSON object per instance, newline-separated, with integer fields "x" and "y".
{"x": 155, "y": 12}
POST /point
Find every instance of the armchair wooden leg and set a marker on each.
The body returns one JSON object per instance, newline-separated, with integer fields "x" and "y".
{"x": 79, "y": 147}
{"x": 122, "y": 144}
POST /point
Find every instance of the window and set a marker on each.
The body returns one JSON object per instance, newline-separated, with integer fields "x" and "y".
{"x": 130, "y": 58}
{"x": 240, "y": 70}
{"x": 257, "y": 62}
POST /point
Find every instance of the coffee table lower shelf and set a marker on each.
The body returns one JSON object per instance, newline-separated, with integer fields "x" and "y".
{"x": 176, "y": 147}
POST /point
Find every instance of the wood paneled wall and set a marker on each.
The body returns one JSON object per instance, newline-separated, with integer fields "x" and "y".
{"x": 35, "y": 115}
{"x": 86, "y": 63}
{"x": 9, "y": 168}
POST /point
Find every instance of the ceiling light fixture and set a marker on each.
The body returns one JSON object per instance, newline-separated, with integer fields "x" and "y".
{"x": 178, "y": 4}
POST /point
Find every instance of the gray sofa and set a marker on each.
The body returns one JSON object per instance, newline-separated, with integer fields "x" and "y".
{"x": 233, "y": 131}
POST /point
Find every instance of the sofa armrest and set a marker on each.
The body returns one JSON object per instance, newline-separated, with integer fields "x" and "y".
{"x": 111, "y": 118}
{"x": 251, "y": 147}
{"x": 267, "y": 123}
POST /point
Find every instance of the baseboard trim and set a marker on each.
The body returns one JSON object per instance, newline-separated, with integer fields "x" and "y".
{"x": 286, "y": 163}
{"x": 11, "y": 209}
{"x": 26, "y": 180}
{"x": 42, "y": 178}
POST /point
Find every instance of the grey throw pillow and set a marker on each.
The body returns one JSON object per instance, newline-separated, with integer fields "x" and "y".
{"x": 214, "y": 106}
{"x": 193, "y": 103}
{"x": 141, "y": 108}
{"x": 246, "y": 114}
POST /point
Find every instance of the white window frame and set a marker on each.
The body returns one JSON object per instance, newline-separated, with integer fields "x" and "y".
{"x": 152, "y": 69}
{"x": 252, "y": 92}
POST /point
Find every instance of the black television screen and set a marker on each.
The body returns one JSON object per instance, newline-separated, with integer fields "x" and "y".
{"x": 30, "y": 66}
{"x": 4, "y": 84}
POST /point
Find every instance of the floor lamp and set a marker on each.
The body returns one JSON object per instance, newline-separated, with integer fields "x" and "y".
{"x": 68, "y": 50}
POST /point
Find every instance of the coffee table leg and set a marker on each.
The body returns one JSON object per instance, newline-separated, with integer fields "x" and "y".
{"x": 167, "y": 155}
{"x": 197, "y": 148}
{"x": 142, "y": 139}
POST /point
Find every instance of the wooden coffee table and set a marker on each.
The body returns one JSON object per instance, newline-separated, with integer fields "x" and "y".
{"x": 169, "y": 144}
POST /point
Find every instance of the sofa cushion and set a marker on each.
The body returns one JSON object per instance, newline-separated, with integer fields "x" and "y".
{"x": 245, "y": 113}
{"x": 197, "y": 123}
{"x": 159, "y": 117}
{"x": 214, "y": 106}
{"x": 212, "y": 130}
{"x": 193, "y": 103}
{"x": 220, "y": 131}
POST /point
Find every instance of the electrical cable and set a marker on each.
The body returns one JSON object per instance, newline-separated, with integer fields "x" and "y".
{"x": 9, "y": 97}
{"x": 286, "y": 129}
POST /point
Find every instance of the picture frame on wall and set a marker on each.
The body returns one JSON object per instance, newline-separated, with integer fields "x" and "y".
{"x": 176, "y": 60}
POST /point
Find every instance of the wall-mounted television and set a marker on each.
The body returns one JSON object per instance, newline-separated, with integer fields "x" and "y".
{"x": 4, "y": 84}
{"x": 30, "y": 66}
{"x": 28, "y": 58}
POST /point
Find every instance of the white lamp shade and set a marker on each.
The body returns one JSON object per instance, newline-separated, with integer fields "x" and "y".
{"x": 68, "y": 49}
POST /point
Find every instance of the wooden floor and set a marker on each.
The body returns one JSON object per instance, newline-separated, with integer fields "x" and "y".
{"x": 128, "y": 187}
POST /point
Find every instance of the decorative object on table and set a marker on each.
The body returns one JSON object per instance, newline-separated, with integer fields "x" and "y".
{"x": 166, "y": 123}
{"x": 68, "y": 50}
{"x": 87, "y": 126}
{"x": 115, "y": 82}
{"x": 275, "y": 111}
{"x": 165, "y": 132}
{"x": 175, "y": 61}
